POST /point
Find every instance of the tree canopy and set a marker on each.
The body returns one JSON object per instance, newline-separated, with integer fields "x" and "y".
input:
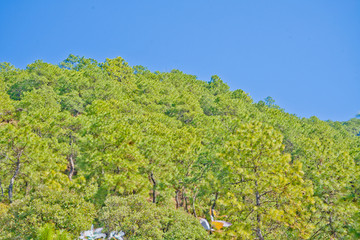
{"x": 150, "y": 153}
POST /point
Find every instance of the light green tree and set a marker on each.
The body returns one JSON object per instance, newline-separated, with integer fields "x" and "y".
{"x": 266, "y": 196}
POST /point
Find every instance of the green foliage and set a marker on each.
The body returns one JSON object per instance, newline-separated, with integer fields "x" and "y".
{"x": 64, "y": 209}
{"x": 270, "y": 102}
{"x": 268, "y": 190}
{"x": 148, "y": 153}
{"x": 352, "y": 126}
{"x": 77, "y": 63}
{"x": 140, "y": 219}
{"x": 118, "y": 69}
{"x": 6, "y": 105}
{"x": 217, "y": 86}
{"x": 48, "y": 232}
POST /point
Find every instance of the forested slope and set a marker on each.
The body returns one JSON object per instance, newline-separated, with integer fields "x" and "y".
{"x": 148, "y": 153}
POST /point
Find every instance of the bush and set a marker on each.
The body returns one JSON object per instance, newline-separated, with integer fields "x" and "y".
{"x": 64, "y": 209}
{"x": 140, "y": 219}
{"x": 48, "y": 232}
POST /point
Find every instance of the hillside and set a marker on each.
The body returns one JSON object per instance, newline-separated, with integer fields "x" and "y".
{"x": 149, "y": 153}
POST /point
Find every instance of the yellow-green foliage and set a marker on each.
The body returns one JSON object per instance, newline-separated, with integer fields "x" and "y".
{"x": 48, "y": 232}
{"x": 3, "y": 208}
{"x": 140, "y": 219}
{"x": 66, "y": 210}
{"x": 150, "y": 153}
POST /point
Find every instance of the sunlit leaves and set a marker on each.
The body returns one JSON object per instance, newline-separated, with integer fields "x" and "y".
{"x": 93, "y": 131}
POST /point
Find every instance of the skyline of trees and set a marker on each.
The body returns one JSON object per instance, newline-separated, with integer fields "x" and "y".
{"x": 108, "y": 144}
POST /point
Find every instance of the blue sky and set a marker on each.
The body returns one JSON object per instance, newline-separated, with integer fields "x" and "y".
{"x": 305, "y": 54}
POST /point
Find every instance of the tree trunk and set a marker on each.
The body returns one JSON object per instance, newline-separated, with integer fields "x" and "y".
{"x": 258, "y": 233}
{"x": 193, "y": 203}
{"x": 28, "y": 188}
{"x": 12, "y": 180}
{"x": 177, "y": 199}
{"x": 71, "y": 159}
{"x": 186, "y": 204}
{"x": 2, "y": 190}
{"x": 154, "y": 187}
{"x": 182, "y": 198}
{"x": 71, "y": 166}
{"x": 258, "y": 216}
{"x": 185, "y": 199}
{"x": 214, "y": 204}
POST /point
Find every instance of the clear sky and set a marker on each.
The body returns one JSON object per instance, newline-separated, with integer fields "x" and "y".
{"x": 305, "y": 54}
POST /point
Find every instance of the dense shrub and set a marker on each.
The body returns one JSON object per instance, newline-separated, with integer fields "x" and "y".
{"x": 64, "y": 209}
{"x": 140, "y": 219}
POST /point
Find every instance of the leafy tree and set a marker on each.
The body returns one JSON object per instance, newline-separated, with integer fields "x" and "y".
{"x": 108, "y": 149}
{"x": 6, "y": 106}
{"x": 270, "y": 102}
{"x": 140, "y": 219}
{"x": 118, "y": 69}
{"x": 77, "y": 63}
{"x": 47, "y": 232}
{"x": 268, "y": 194}
{"x": 98, "y": 136}
{"x": 66, "y": 210}
{"x": 217, "y": 86}
{"x": 24, "y": 159}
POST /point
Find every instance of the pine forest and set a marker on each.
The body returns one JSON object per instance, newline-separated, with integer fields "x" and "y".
{"x": 164, "y": 155}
